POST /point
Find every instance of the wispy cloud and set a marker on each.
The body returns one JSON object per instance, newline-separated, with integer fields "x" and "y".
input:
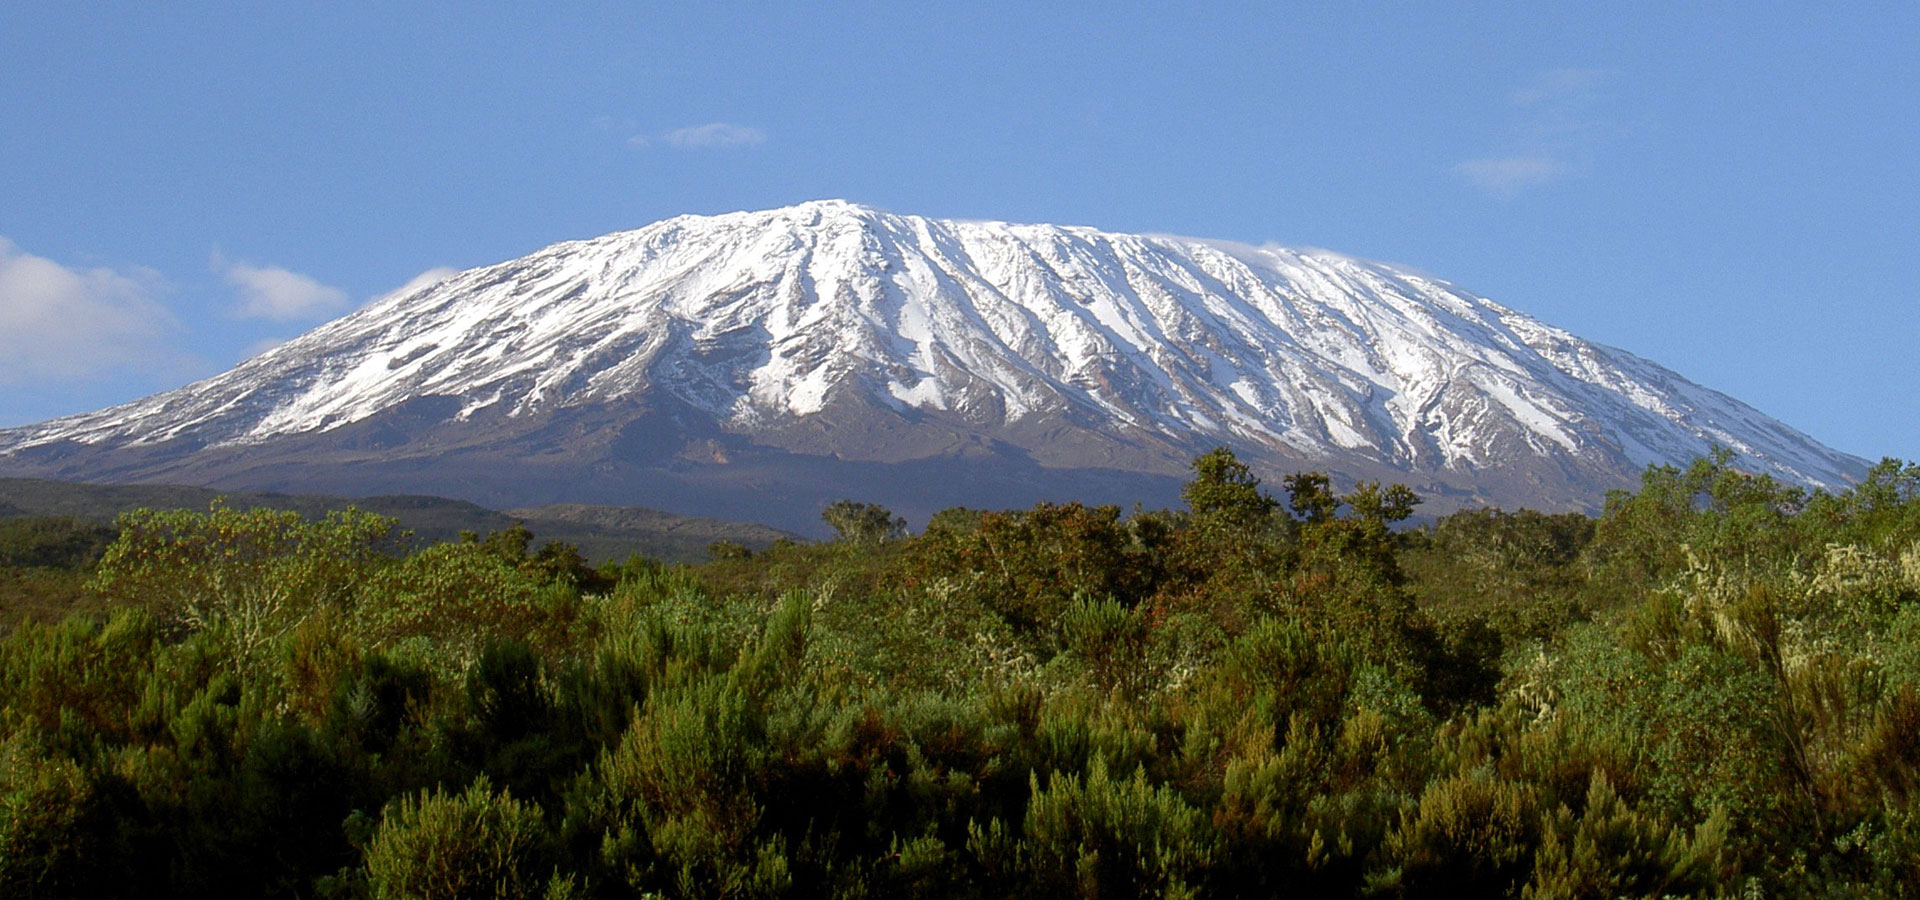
{"x": 418, "y": 282}
{"x": 261, "y": 346}
{"x": 710, "y": 136}
{"x": 715, "y": 136}
{"x": 1559, "y": 85}
{"x": 64, "y": 324}
{"x": 276, "y": 294}
{"x": 1508, "y": 175}
{"x": 1551, "y": 136}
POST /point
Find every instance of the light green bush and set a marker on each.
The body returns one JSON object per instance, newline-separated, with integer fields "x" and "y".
{"x": 1095, "y": 836}
{"x": 478, "y": 843}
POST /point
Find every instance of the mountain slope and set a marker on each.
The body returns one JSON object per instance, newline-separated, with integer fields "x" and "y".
{"x": 821, "y": 341}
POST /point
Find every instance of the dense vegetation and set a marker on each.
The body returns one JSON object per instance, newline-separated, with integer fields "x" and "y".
{"x": 1712, "y": 690}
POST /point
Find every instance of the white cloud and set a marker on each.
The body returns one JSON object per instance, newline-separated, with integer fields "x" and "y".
{"x": 715, "y": 135}
{"x": 425, "y": 279}
{"x": 418, "y": 282}
{"x": 270, "y": 292}
{"x": 1509, "y": 175}
{"x": 58, "y": 323}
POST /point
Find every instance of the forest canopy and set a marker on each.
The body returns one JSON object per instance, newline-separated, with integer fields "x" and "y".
{"x": 1710, "y": 690}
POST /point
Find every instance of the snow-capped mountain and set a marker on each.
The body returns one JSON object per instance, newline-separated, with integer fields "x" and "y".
{"x": 823, "y": 346}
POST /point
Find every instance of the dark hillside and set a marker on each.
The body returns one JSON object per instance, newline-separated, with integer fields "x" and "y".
{"x": 601, "y": 533}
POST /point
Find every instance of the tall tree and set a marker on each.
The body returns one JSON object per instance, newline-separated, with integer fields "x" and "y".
{"x": 863, "y": 523}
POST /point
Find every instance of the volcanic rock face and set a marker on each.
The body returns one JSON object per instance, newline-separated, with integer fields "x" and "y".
{"x": 758, "y": 364}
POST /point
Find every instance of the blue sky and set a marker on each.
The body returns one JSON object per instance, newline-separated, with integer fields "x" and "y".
{"x": 1730, "y": 190}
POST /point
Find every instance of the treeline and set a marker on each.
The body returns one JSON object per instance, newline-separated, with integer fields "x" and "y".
{"x": 1712, "y": 690}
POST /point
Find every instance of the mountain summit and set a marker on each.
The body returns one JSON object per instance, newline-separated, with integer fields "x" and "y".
{"x": 756, "y": 364}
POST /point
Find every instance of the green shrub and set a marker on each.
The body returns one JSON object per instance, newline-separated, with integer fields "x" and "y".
{"x": 1031, "y": 564}
{"x": 80, "y": 679}
{"x": 1094, "y": 836}
{"x": 455, "y": 599}
{"x": 1612, "y": 850}
{"x": 49, "y": 840}
{"x": 444, "y": 846}
{"x": 1280, "y": 670}
{"x": 251, "y": 576}
{"x": 679, "y": 789}
{"x": 1471, "y": 835}
{"x": 1110, "y": 642}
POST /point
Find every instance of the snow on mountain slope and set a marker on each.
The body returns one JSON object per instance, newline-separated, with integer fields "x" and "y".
{"x": 763, "y": 319}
